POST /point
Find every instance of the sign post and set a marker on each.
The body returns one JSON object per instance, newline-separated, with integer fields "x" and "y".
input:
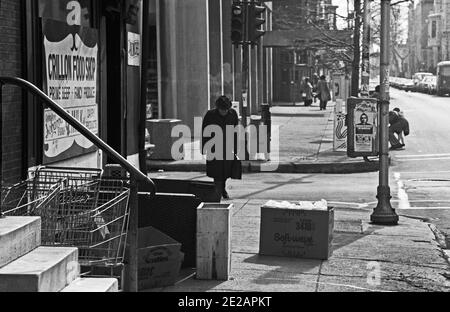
{"x": 384, "y": 214}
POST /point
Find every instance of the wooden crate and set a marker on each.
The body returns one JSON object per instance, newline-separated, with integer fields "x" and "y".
{"x": 214, "y": 241}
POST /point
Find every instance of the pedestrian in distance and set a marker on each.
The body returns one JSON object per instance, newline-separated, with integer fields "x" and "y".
{"x": 398, "y": 125}
{"x": 224, "y": 165}
{"x": 308, "y": 89}
{"x": 323, "y": 93}
{"x": 376, "y": 94}
{"x": 315, "y": 82}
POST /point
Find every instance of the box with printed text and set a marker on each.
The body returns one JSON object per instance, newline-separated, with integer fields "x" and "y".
{"x": 297, "y": 233}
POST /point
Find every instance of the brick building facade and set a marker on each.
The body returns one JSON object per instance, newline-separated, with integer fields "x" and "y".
{"x": 11, "y": 65}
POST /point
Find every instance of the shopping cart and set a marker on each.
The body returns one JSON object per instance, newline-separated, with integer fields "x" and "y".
{"x": 92, "y": 214}
{"x": 23, "y": 198}
{"x": 93, "y": 218}
{"x": 73, "y": 177}
{"x": 82, "y": 210}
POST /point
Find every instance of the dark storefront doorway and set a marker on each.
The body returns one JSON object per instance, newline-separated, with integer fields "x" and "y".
{"x": 112, "y": 43}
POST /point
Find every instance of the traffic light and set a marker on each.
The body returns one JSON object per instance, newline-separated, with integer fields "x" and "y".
{"x": 255, "y": 21}
{"x": 238, "y": 23}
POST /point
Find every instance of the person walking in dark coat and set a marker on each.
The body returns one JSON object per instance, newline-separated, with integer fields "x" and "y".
{"x": 323, "y": 92}
{"x": 220, "y": 163}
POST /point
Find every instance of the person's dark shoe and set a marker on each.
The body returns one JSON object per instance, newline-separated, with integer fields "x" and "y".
{"x": 225, "y": 195}
{"x": 396, "y": 147}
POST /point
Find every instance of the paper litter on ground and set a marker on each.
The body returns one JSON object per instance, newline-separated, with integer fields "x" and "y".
{"x": 302, "y": 205}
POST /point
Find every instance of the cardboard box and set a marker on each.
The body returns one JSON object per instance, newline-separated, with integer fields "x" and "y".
{"x": 297, "y": 233}
{"x": 160, "y": 259}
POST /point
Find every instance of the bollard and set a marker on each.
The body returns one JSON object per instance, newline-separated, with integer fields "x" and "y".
{"x": 266, "y": 118}
{"x": 214, "y": 241}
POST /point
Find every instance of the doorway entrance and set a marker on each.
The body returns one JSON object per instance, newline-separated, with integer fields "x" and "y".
{"x": 112, "y": 64}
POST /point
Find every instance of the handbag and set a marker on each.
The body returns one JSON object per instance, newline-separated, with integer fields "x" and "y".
{"x": 236, "y": 169}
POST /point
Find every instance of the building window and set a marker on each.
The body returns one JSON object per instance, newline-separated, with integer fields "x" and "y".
{"x": 285, "y": 76}
{"x": 433, "y": 29}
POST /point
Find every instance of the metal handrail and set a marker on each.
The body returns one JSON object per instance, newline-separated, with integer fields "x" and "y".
{"x": 80, "y": 128}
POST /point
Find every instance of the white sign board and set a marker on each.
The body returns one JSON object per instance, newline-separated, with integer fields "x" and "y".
{"x": 71, "y": 80}
{"x": 134, "y": 49}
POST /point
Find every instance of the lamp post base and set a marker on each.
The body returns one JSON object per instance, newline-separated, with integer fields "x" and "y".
{"x": 384, "y": 214}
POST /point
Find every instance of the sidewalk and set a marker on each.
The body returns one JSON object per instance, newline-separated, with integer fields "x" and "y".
{"x": 408, "y": 256}
{"x": 305, "y": 145}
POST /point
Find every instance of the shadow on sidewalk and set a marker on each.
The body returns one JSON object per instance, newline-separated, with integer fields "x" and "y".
{"x": 298, "y": 115}
{"x": 276, "y": 185}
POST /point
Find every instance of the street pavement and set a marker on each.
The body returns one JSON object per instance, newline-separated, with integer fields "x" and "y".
{"x": 413, "y": 255}
{"x": 421, "y": 172}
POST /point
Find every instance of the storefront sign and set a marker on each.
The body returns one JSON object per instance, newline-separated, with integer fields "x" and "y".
{"x": 71, "y": 80}
{"x": 134, "y": 49}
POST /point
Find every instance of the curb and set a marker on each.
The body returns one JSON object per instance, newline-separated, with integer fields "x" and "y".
{"x": 440, "y": 237}
{"x": 283, "y": 167}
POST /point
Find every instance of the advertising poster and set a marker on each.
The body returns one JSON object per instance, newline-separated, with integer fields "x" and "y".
{"x": 340, "y": 133}
{"x": 365, "y": 120}
{"x": 71, "y": 80}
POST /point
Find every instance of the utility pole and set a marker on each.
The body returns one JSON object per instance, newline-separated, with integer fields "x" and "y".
{"x": 365, "y": 75}
{"x": 384, "y": 214}
{"x": 1, "y": 142}
{"x": 245, "y": 82}
{"x": 357, "y": 49}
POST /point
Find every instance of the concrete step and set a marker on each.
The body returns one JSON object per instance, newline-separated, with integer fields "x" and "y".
{"x": 46, "y": 269}
{"x": 18, "y": 236}
{"x": 93, "y": 285}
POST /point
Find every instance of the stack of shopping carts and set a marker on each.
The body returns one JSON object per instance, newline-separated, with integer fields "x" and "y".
{"x": 78, "y": 208}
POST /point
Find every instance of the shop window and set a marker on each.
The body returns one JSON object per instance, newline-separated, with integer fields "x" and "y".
{"x": 73, "y": 12}
{"x": 152, "y": 76}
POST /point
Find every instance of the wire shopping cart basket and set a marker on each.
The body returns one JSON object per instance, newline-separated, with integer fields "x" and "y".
{"x": 73, "y": 177}
{"x": 94, "y": 218}
{"x": 24, "y": 198}
{"x": 83, "y": 210}
{"x": 92, "y": 214}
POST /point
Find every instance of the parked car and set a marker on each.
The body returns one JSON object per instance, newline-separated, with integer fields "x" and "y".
{"x": 395, "y": 82}
{"x": 428, "y": 84}
{"x": 407, "y": 85}
{"x": 417, "y": 78}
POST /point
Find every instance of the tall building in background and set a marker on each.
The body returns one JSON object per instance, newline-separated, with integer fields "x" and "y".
{"x": 428, "y": 35}
{"x": 295, "y": 21}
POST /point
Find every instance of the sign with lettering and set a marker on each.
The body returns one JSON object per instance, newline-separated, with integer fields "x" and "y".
{"x": 134, "y": 49}
{"x": 363, "y": 140}
{"x": 296, "y": 233}
{"x": 71, "y": 80}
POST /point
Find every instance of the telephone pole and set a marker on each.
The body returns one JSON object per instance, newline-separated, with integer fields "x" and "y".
{"x": 365, "y": 72}
{"x": 357, "y": 48}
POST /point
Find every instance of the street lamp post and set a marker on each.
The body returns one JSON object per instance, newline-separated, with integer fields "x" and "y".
{"x": 384, "y": 214}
